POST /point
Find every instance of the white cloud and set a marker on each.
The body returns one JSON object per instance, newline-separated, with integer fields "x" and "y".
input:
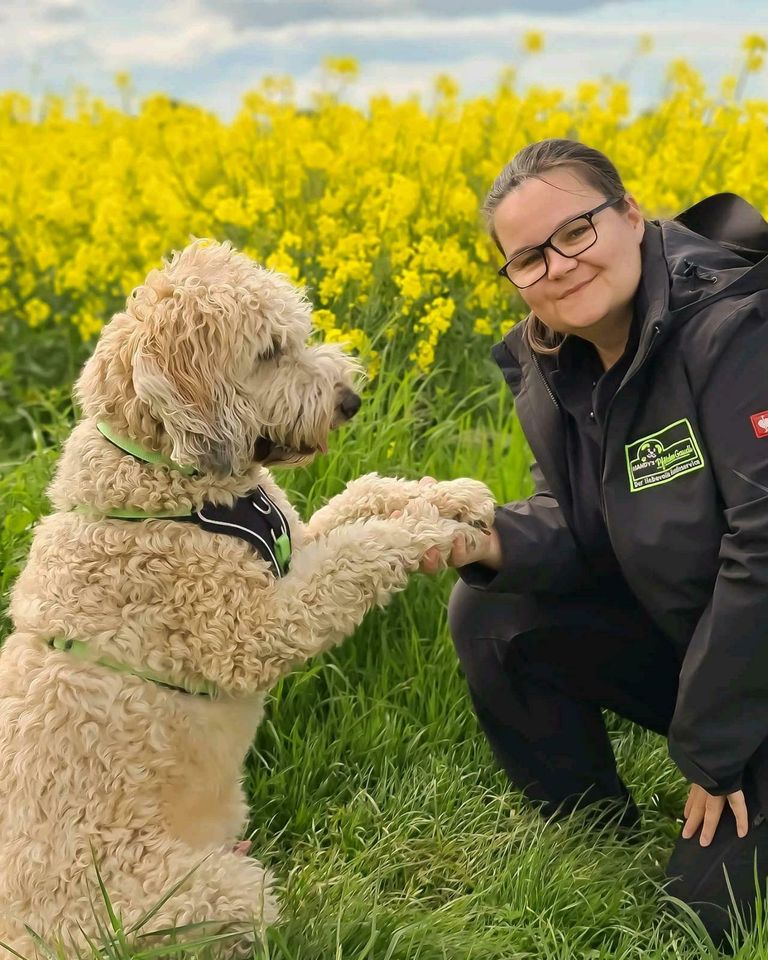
{"x": 183, "y": 34}
{"x": 482, "y": 28}
{"x": 195, "y": 41}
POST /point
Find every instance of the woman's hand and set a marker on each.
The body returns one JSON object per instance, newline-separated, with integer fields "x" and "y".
{"x": 702, "y": 807}
{"x": 489, "y": 552}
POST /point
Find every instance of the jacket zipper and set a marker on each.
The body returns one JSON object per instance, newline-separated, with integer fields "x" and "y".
{"x": 649, "y": 350}
{"x": 544, "y": 380}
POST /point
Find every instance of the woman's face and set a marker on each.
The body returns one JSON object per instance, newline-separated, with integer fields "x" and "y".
{"x": 610, "y": 269}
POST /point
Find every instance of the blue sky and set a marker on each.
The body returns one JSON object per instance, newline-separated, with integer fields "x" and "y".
{"x": 211, "y": 51}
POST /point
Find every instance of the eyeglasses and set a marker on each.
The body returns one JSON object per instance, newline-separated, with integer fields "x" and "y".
{"x": 569, "y": 240}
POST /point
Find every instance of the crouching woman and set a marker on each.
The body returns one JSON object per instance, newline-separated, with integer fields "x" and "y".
{"x": 635, "y": 578}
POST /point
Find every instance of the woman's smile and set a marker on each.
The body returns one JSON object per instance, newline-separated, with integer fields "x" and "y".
{"x": 576, "y": 289}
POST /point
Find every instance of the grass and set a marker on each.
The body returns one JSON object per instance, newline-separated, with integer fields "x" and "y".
{"x": 374, "y": 796}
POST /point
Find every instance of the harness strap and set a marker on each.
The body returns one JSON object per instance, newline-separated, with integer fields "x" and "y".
{"x": 81, "y": 651}
{"x": 129, "y": 513}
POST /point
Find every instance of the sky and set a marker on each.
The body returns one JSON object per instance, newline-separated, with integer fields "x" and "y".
{"x": 212, "y": 51}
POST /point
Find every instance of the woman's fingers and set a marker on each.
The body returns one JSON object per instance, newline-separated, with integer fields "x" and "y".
{"x": 694, "y": 811}
{"x": 431, "y": 561}
{"x": 712, "y": 813}
{"x": 458, "y": 552}
{"x": 704, "y": 810}
{"x": 739, "y": 806}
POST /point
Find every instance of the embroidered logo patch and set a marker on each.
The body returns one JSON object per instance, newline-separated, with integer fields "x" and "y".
{"x": 760, "y": 423}
{"x": 662, "y": 456}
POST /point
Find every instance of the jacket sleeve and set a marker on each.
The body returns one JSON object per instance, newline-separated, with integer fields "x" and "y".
{"x": 538, "y": 550}
{"x": 721, "y": 715}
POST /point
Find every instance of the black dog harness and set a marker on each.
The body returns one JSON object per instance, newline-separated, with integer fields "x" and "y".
{"x": 255, "y": 517}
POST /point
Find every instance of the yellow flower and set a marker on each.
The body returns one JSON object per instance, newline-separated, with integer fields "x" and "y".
{"x": 618, "y": 100}
{"x": 446, "y": 86}
{"x": 645, "y": 43}
{"x": 754, "y": 43}
{"x": 346, "y": 67}
{"x": 316, "y": 155}
{"x": 36, "y": 312}
{"x": 533, "y": 41}
{"x": 123, "y": 80}
{"x": 231, "y": 210}
{"x": 587, "y": 92}
{"x": 728, "y": 86}
{"x": 409, "y": 283}
{"x": 281, "y": 262}
{"x": 324, "y": 320}
{"x": 259, "y": 200}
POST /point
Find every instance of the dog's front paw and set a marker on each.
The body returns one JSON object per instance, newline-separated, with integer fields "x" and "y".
{"x": 422, "y": 508}
{"x": 469, "y": 501}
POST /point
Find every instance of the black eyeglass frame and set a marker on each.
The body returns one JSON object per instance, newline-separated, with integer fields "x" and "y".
{"x": 541, "y": 247}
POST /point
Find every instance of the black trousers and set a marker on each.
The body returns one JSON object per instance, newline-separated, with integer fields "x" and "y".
{"x": 539, "y": 669}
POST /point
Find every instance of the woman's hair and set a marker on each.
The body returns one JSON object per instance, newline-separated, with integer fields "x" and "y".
{"x": 532, "y": 162}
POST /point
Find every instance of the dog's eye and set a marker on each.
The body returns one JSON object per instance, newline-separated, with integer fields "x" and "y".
{"x": 271, "y": 352}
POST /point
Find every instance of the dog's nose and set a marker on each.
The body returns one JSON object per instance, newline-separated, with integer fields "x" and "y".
{"x": 350, "y": 404}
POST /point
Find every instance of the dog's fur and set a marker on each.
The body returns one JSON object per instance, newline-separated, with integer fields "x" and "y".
{"x": 208, "y": 365}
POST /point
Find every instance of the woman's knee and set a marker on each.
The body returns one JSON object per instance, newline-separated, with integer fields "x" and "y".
{"x": 462, "y": 606}
{"x": 500, "y": 617}
{"x": 475, "y": 637}
{"x": 715, "y": 880}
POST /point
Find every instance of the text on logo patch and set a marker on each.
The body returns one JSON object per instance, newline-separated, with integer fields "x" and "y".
{"x": 662, "y": 456}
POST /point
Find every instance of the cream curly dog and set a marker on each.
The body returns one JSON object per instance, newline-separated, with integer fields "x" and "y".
{"x": 149, "y": 626}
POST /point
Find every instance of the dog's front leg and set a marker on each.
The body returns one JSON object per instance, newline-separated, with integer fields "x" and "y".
{"x": 368, "y": 496}
{"x": 333, "y": 582}
{"x": 374, "y": 496}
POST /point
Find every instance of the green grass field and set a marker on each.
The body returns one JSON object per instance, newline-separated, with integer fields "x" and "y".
{"x": 374, "y": 796}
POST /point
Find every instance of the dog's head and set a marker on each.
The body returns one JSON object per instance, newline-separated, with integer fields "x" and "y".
{"x": 210, "y": 361}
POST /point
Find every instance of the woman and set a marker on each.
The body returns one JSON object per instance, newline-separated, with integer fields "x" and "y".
{"x": 636, "y": 577}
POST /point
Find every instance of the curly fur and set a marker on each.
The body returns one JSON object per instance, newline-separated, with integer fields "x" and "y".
{"x": 208, "y": 364}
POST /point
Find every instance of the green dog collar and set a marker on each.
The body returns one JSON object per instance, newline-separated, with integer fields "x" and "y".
{"x": 147, "y": 456}
{"x": 141, "y": 453}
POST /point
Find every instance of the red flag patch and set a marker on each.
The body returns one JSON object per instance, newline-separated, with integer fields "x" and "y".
{"x": 760, "y": 423}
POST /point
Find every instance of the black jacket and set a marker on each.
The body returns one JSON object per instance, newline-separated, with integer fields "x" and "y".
{"x": 684, "y": 478}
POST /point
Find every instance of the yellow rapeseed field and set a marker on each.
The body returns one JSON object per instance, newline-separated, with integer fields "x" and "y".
{"x": 375, "y": 210}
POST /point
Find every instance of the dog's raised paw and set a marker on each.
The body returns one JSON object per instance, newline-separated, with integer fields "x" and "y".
{"x": 422, "y": 508}
{"x": 464, "y": 499}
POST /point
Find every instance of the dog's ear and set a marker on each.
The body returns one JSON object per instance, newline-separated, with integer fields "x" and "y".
{"x": 184, "y": 370}
{"x": 190, "y": 422}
